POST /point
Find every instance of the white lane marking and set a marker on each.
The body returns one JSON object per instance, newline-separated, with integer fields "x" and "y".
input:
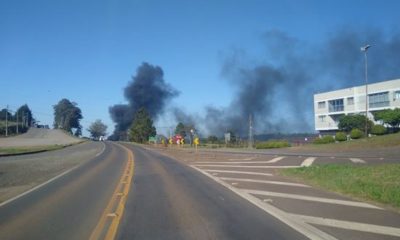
{"x": 263, "y": 181}
{"x": 308, "y": 161}
{"x": 237, "y": 162}
{"x": 102, "y": 150}
{"x": 241, "y": 159}
{"x": 274, "y": 160}
{"x": 306, "y": 229}
{"x": 240, "y": 166}
{"x": 47, "y": 182}
{"x": 356, "y": 226}
{"x": 308, "y": 198}
{"x": 357, "y": 160}
{"x": 239, "y": 172}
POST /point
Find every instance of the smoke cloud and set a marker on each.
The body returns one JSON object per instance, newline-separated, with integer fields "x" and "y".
{"x": 147, "y": 89}
{"x": 278, "y": 93}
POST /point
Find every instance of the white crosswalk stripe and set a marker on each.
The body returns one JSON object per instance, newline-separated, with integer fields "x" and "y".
{"x": 308, "y": 198}
{"x": 241, "y": 159}
{"x": 264, "y": 181}
{"x": 274, "y": 160}
{"x": 242, "y": 166}
{"x": 364, "y": 227}
{"x": 247, "y": 162}
{"x": 357, "y": 160}
{"x": 308, "y": 161}
{"x": 239, "y": 172}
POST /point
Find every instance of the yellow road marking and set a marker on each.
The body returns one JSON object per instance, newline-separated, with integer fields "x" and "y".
{"x": 115, "y": 208}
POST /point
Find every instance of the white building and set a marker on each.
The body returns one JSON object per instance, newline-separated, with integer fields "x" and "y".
{"x": 330, "y": 106}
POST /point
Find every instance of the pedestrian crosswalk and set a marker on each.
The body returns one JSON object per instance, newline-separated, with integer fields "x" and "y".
{"x": 309, "y": 210}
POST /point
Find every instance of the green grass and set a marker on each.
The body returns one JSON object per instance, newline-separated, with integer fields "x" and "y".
{"x": 272, "y": 144}
{"x": 20, "y": 150}
{"x": 389, "y": 140}
{"x": 33, "y": 149}
{"x": 378, "y": 183}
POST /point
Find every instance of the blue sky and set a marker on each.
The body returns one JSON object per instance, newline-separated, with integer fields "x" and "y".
{"x": 87, "y": 51}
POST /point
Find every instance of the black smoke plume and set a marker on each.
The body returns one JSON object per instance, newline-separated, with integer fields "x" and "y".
{"x": 278, "y": 93}
{"x": 147, "y": 89}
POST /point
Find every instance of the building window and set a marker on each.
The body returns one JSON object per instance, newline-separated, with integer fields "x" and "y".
{"x": 336, "y": 105}
{"x": 396, "y": 95}
{"x": 321, "y": 118}
{"x": 378, "y": 100}
{"x": 321, "y": 105}
{"x": 350, "y": 101}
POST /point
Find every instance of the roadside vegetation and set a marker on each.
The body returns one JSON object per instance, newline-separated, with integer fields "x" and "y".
{"x": 378, "y": 183}
{"x": 272, "y": 144}
{"x": 15, "y": 121}
{"x": 33, "y": 149}
{"x": 353, "y": 126}
{"x": 67, "y": 116}
{"x": 389, "y": 140}
{"x": 25, "y": 150}
{"x": 97, "y": 129}
{"x": 142, "y": 127}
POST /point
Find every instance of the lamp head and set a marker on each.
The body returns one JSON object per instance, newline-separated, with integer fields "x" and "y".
{"x": 365, "y": 48}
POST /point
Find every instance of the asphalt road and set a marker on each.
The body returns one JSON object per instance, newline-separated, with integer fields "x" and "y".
{"x": 69, "y": 207}
{"x": 170, "y": 200}
{"x": 188, "y": 199}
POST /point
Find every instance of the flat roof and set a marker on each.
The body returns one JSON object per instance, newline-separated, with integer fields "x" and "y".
{"x": 369, "y": 84}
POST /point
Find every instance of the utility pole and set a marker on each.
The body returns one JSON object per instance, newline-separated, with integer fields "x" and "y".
{"x": 17, "y": 121}
{"x": 250, "y": 143}
{"x": 7, "y": 121}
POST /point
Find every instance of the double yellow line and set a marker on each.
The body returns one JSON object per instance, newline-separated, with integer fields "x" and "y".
{"x": 107, "y": 226}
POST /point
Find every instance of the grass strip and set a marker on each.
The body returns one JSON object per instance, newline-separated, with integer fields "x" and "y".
{"x": 378, "y": 183}
{"x": 389, "y": 140}
{"x": 6, "y": 151}
{"x": 21, "y": 150}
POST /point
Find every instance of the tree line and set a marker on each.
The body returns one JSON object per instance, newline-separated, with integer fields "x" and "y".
{"x": 14, "y": 122}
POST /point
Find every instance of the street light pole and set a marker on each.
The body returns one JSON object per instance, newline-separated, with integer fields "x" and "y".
{"x": 365, "y": 49}
{"x": 7, "y": 121}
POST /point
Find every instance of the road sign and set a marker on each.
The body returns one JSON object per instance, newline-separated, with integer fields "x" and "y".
{"x": 196, "y": 141}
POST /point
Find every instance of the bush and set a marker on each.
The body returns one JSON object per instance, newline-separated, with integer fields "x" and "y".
{"x": 378, "y": 130}
{"x": 272, "y": 144}
{"x": 356, "y": 133}
{"x": 350, "y": 122}
{"x": 324, "y": 140}
{"x": 341, "y": 136}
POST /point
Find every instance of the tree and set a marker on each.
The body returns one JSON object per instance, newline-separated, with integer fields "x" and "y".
{"x": 67, "y": 116}
{"x": 6, "y": 114}
{"x": 389, "y": 116}
{"x": 97, "y": 129}
{"x": 180, "y": 129}
{"x": 142, "y": 127}
{"x": 25, "y": 116}
{"x": 349, "y": 122}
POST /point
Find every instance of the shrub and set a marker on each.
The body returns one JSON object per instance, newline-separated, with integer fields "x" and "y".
{"x": 324, "y": 140}
{"x": 272, "y": 144}
{"x": 378, "y": 130}
{"x": 356, "y": 133}
{"x": 350, "y": 122}
{"x": 341, "y": 136}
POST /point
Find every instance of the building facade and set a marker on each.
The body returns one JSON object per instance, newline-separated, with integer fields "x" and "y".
{"x": 330, "y": 106}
